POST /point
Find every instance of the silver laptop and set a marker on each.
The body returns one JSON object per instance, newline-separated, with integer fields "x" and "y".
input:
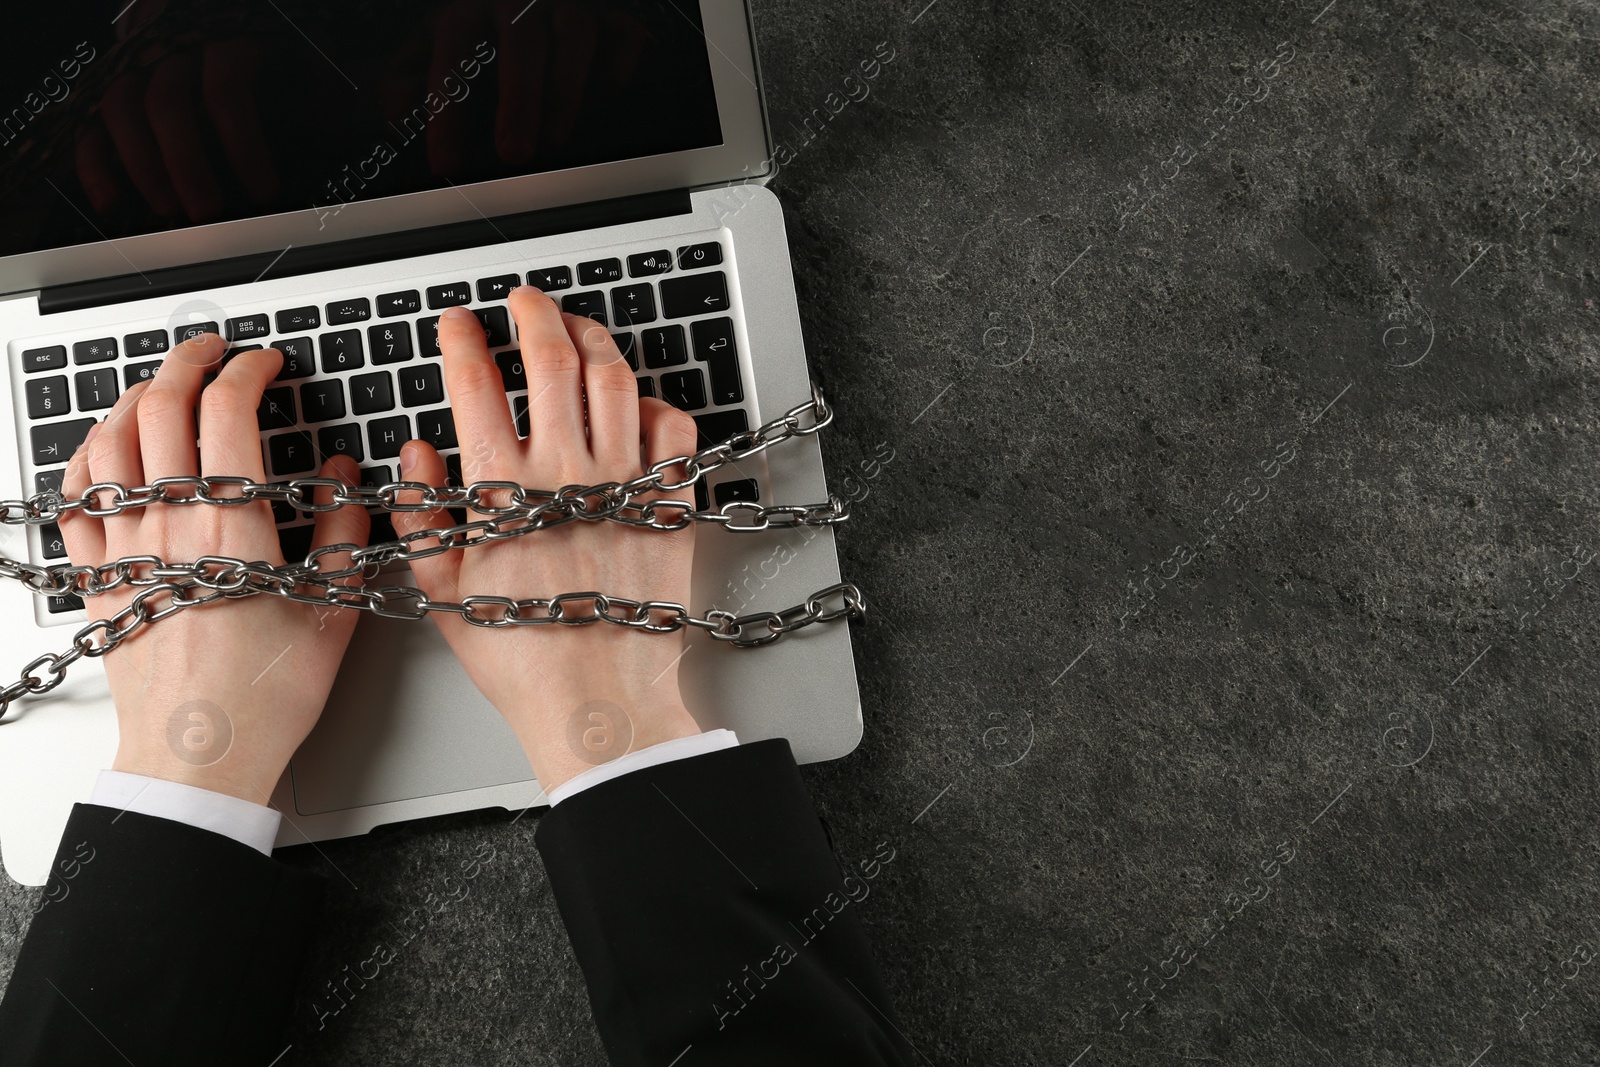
{"x": 325, "y": 184}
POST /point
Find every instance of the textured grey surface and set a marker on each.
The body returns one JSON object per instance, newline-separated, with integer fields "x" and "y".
{"x": 1375, "y": 658}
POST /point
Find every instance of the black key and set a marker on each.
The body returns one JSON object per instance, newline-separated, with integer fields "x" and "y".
{"x": 372, "y": 477}
{"x": 282, "y": 512}
{"x": 343, "y": 312}
{"x": 497, "y": 288}
{"x": 247, "y": 328}
{"x": 452, "y": 471}
{"x": 295, "y": 542}
{"x": 647, "y": 263}
{"x": 95, "y": 388}
{"x": 382, "y": 528}
{"x": 55, "y": 442}
{"x": 550, "y": 279}
{"x": 647, "y": 386}
{"x": 632, "y": 305}
{"x": 599, "y": 271}
{"x": 693, "y": 256}
{"x": 343, "y": 440}
{"x": 448, "y": 296}
{"x": 52, "y": 358}
{"x": 276, "y": 410}
{"x": 626, "y": 346}
{"x": 695, "y": 294}
{"x": 590, "y": 304}
{"x": 181, "y": 334}
{"x": 428, "y": 337}
{"x": 664, "y": 347}
{"x": 406, "y": 303}
{"x": 685, "y": 389}
{"x": 323, "y": 400}
{"x": 370, "y": 393}
{"x": 385, "y": 436}
{"x": 725, "y": 385}
{"x": 421, "y": 385}
{"x": 496, "y": 324}
{"x": 720, "y": 425}
{"x": 519, "y": 414}
{"x": 58, "y": 605}
{"x": 437, "y": 427}
{"x": 390, "y": 343}
{"x": 239, "y": 350}
{"x": 341, "y": 351}
{"x": 742, "y": 489}
{"x": 49, "y": 481}
{"x": 297, "y": 361}
{"x": 47, "y": 397}
{"x": 97, "y": 351}
{"x": 713, "y": 337}
{"x": 702, "y": 501}
{"x": 296, "y": 319}
{"x": 291, "y": 453}
{"x": 51, "y": 541}
{"x": 145, "y": 344}
{"x": 134, "y": 373}
{"x": 511, "y": 370}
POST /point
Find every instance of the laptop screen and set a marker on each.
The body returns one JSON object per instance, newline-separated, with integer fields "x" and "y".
{"x": 128, "y": 118}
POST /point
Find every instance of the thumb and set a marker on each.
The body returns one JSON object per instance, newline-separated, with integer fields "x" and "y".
{"x": 421, "y": 462}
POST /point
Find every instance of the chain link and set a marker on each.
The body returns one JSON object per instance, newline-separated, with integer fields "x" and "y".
{"x": 513, "y": 510}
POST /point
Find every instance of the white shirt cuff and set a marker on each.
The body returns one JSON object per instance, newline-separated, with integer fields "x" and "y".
{"x": 664, "y": 752}
{"x": 247, "y": 823}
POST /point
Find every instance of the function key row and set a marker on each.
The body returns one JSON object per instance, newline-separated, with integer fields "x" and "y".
{"x": 697, "y": 294}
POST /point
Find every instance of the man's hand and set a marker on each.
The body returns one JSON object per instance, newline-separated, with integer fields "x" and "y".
{"x": 575, "y": 695}
{"x": 217, "y": 696}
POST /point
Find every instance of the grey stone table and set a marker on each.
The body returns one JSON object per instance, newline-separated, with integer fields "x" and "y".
{"x": 1229, "y": 679}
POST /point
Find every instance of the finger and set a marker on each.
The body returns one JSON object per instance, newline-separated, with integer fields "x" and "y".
{"x": 123, "y": 110}
{"x": 666, "y": 432}
{"x": 174, "y": 114}
{"x": 116, "y": 456}
{"x": 347, "y": 525}
{"x": 612, "y": 394}
{"x": 230, "y": 443}
{"x": 555, "y": 378}
{"x": 525, "y": 55}
{"x": 421, "y": 462}
{"x": 166, "y": 411}
{"x": 85, "y": 535}
{"x": 232, "y": 69}
{"x": 477, "y": 394}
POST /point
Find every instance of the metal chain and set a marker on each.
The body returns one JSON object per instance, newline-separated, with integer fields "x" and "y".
{"x": 520, "y": 511}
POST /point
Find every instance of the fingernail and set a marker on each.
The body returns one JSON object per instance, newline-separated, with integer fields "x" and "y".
{"x": 524, "y": 289}
{"x": 92, "y": 431}
{"x": 408, "y": 458}
{"x": 457, "y": 313}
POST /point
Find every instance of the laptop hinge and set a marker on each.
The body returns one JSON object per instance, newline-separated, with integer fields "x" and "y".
{"x": 353, "y": 253}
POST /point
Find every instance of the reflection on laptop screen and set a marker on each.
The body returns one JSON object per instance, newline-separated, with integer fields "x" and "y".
{"x": 119, "y": 119}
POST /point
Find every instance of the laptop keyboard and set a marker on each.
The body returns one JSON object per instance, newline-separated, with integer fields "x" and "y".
{"x": 362, "y": 374}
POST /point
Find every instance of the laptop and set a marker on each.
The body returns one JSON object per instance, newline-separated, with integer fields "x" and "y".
{"x": 324, "y": 179}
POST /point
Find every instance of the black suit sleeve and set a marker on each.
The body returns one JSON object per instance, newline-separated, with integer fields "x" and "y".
{"x": 168, "y": 945}
{"x": 709, "y": 914}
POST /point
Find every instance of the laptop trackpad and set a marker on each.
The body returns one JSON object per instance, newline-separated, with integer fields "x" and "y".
{"x": 403, "y": 721}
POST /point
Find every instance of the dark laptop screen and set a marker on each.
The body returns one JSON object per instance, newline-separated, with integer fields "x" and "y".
{"x": 119, "y": 119}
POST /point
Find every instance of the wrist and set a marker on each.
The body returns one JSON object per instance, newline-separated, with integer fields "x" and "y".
{"x": 561, "y": 745}
{"x": 235, "y": 777}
